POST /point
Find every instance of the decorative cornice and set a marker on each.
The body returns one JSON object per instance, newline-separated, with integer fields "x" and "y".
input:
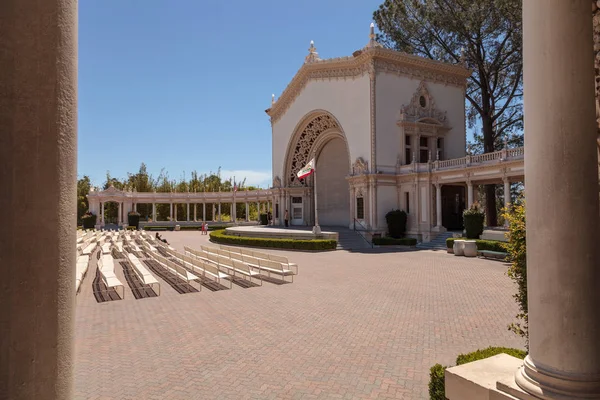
{"x": 373, "y": 60}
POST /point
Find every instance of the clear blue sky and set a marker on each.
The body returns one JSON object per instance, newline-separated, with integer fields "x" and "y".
{"x": 183, "y": 84}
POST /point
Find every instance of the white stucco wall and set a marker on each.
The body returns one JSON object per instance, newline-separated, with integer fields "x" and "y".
{"x": 387, "y": 200}
{"x": 333, "y": 195}
{"x": 392, "y": 92}
{"x": 346, "y": 99}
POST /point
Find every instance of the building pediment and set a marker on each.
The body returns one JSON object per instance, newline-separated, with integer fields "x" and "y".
{"x": 369, "y": 60}
{"x": 422, "y": 109}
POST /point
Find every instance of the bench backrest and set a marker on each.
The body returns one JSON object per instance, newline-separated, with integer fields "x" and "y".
{"x": 247, "y": 252}
{"x": 225, "y": 261}
{"x": 236, "y": 256}
{"x": 224, "y": 253}
{"x": 239, "y": 265}
{"x": 250, "y": 260}
{"x": 271, "y": 264}
{"x": 277, "y": 258}
{"x": 213, "y": 257}
{"x": 260, "y": 254}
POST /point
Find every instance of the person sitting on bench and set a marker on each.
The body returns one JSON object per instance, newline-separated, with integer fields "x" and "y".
{"x": 161, "y": 239}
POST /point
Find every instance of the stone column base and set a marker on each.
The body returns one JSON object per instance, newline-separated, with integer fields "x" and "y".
{"x": 438, "y": 229}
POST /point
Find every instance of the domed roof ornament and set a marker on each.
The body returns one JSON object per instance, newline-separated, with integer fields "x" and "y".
{"x": 312, "y": 56}
{"x": 373, "y": 38}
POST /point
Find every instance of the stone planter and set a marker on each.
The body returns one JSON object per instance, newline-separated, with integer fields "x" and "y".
{"x": 470, "y": 248}
{"x": 177, "y": 227}
{"x": 459, "y": 247}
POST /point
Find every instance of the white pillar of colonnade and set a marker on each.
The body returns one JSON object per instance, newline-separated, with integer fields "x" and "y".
{"x": 195, "y": 219}
{"x": 507, "y": 199}
{"x": 187, "y": 215}
{"x": 247, "y": 213}
{"x": 562, "y": 187}
{"x": 154, "y": 212}
{"x": 438, "y": 205}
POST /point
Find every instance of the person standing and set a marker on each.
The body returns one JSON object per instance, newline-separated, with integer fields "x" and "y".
{"x": 286, "y": 218}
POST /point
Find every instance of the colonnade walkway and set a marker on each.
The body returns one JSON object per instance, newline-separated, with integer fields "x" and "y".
{"x": 352, "y": 325}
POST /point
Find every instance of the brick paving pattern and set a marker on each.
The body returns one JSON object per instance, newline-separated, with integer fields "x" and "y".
{"x": 351, "y": 326}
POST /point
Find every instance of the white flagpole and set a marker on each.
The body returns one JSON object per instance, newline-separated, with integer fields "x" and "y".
{"x": 316, "y": 228}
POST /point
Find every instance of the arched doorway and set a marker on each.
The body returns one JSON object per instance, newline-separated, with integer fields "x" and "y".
{"x": 333, "y": 196}
{"x": 319, "y": 135}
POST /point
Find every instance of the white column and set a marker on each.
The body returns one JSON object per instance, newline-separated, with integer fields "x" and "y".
{"x": 563, "y": 255}
{"x": 220, "y": 212}
{"x": 247, "y": 213}
{"x": 171, "y": 211}
{"x": 213, "y": 212}
{"x": 438, "y": 204}
{"x": 469, "y": 194}
{"x": 258, "y": 211}
{"x": 233, "y": 212}
{"x": 195, "y": 219}
{"x": 102, "y": 213}
{"x": 153, "y": 212}
{"x": 119, "y": 208}
{"x": 204, "y": 211}
{"x": 175, "y": 211}
{"x": 188, "y": 212}
{"x": 506, "y": 197}
{"x": 38, "y": 152}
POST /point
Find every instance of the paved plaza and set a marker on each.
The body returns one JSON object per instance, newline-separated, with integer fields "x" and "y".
{"x": 352, "y": 326}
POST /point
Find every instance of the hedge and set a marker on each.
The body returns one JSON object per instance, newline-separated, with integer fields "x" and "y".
{"x": 219, "y": 236}
{"x": 388, "y": 241}
{"x": 182, "y": 227}
{"x": 491, "y": 245}
{"x": 437, "y": 385}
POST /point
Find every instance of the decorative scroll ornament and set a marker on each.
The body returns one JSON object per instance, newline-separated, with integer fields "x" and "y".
{"x": 422, "y": 105}
{"x": 305, "y": 142}
{"x": 360, "y": 166}
{"x": 312, "y": 56}
{"x": 276, "y": 182}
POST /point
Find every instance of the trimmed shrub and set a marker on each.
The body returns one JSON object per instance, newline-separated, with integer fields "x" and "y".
{"x": 133, "y": 219}
{"x": 489, "y": 352}
{"x": 219, "y": 236}
{"x": 437, "y": 386}
{"x": 517, "y": 255}
{"x": 89, "y": 220}
{"x": 396, "y": 222}
{"x": 491, "y": 245}
{"x": 264, "y": 220}
{"x": 132, "y": 228}
{"x": 473, "y": 220}
{"x": 388, "y": 241}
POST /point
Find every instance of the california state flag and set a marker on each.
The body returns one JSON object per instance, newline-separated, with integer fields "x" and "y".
{"x": 307, "y": 170}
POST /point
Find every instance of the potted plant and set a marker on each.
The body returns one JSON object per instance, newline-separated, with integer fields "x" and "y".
{"x": 473, "y": 220}
{"x": 396, "y": 222}
{"x": 133, "y": 219}
{"x": 88, "y": 220}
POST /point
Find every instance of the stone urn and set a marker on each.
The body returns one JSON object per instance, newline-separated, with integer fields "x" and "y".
{"x": 470, "y": 248}
{"x": 458, "y": 247}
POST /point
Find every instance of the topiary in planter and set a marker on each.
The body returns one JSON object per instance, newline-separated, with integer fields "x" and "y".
{"x": 264, "y": 219}
{"x": 133, "y": 219}
{"x": 396, "y": 222}
{"x": 88, "y": 220}
{"x": 473, "y": 220}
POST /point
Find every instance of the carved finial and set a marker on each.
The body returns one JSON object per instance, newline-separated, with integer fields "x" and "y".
{"x": 506, "y": 142}
{"x": 312, "y": 56}
{"x": 463, "y": 56}
{"x": 273, "y": 99}
{"x": 372, "y": 37}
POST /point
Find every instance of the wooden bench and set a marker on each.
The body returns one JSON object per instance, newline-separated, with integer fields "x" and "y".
{"x": 275, "y": 267}
{"x": 175, "y": 269}
{"x": 143, "y": 274}
{"x": 496, "y": 255}
{"x": 259, "y": 255}
{"x": 207, "y": 270}
{"x": 106, "y": 268}
{"x": 80, "y": 270}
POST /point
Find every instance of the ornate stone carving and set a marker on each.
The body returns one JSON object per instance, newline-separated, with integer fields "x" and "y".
{"x": 312, "y": 56}
{"x": 276, "y": 182}
{"x": 305, "y": 142}
{"x": 360, "y": 166}
{"x": 422, "y": 105}
{"x": 371, "y": 59}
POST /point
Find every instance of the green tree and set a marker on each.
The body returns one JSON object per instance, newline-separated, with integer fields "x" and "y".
{"x": 485, "y": 35}
{"x": 517, "y": 251}
{"x": 83, "y": 188}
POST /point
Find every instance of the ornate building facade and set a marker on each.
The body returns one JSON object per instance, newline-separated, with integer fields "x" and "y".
{"x": 387, "y": 131}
